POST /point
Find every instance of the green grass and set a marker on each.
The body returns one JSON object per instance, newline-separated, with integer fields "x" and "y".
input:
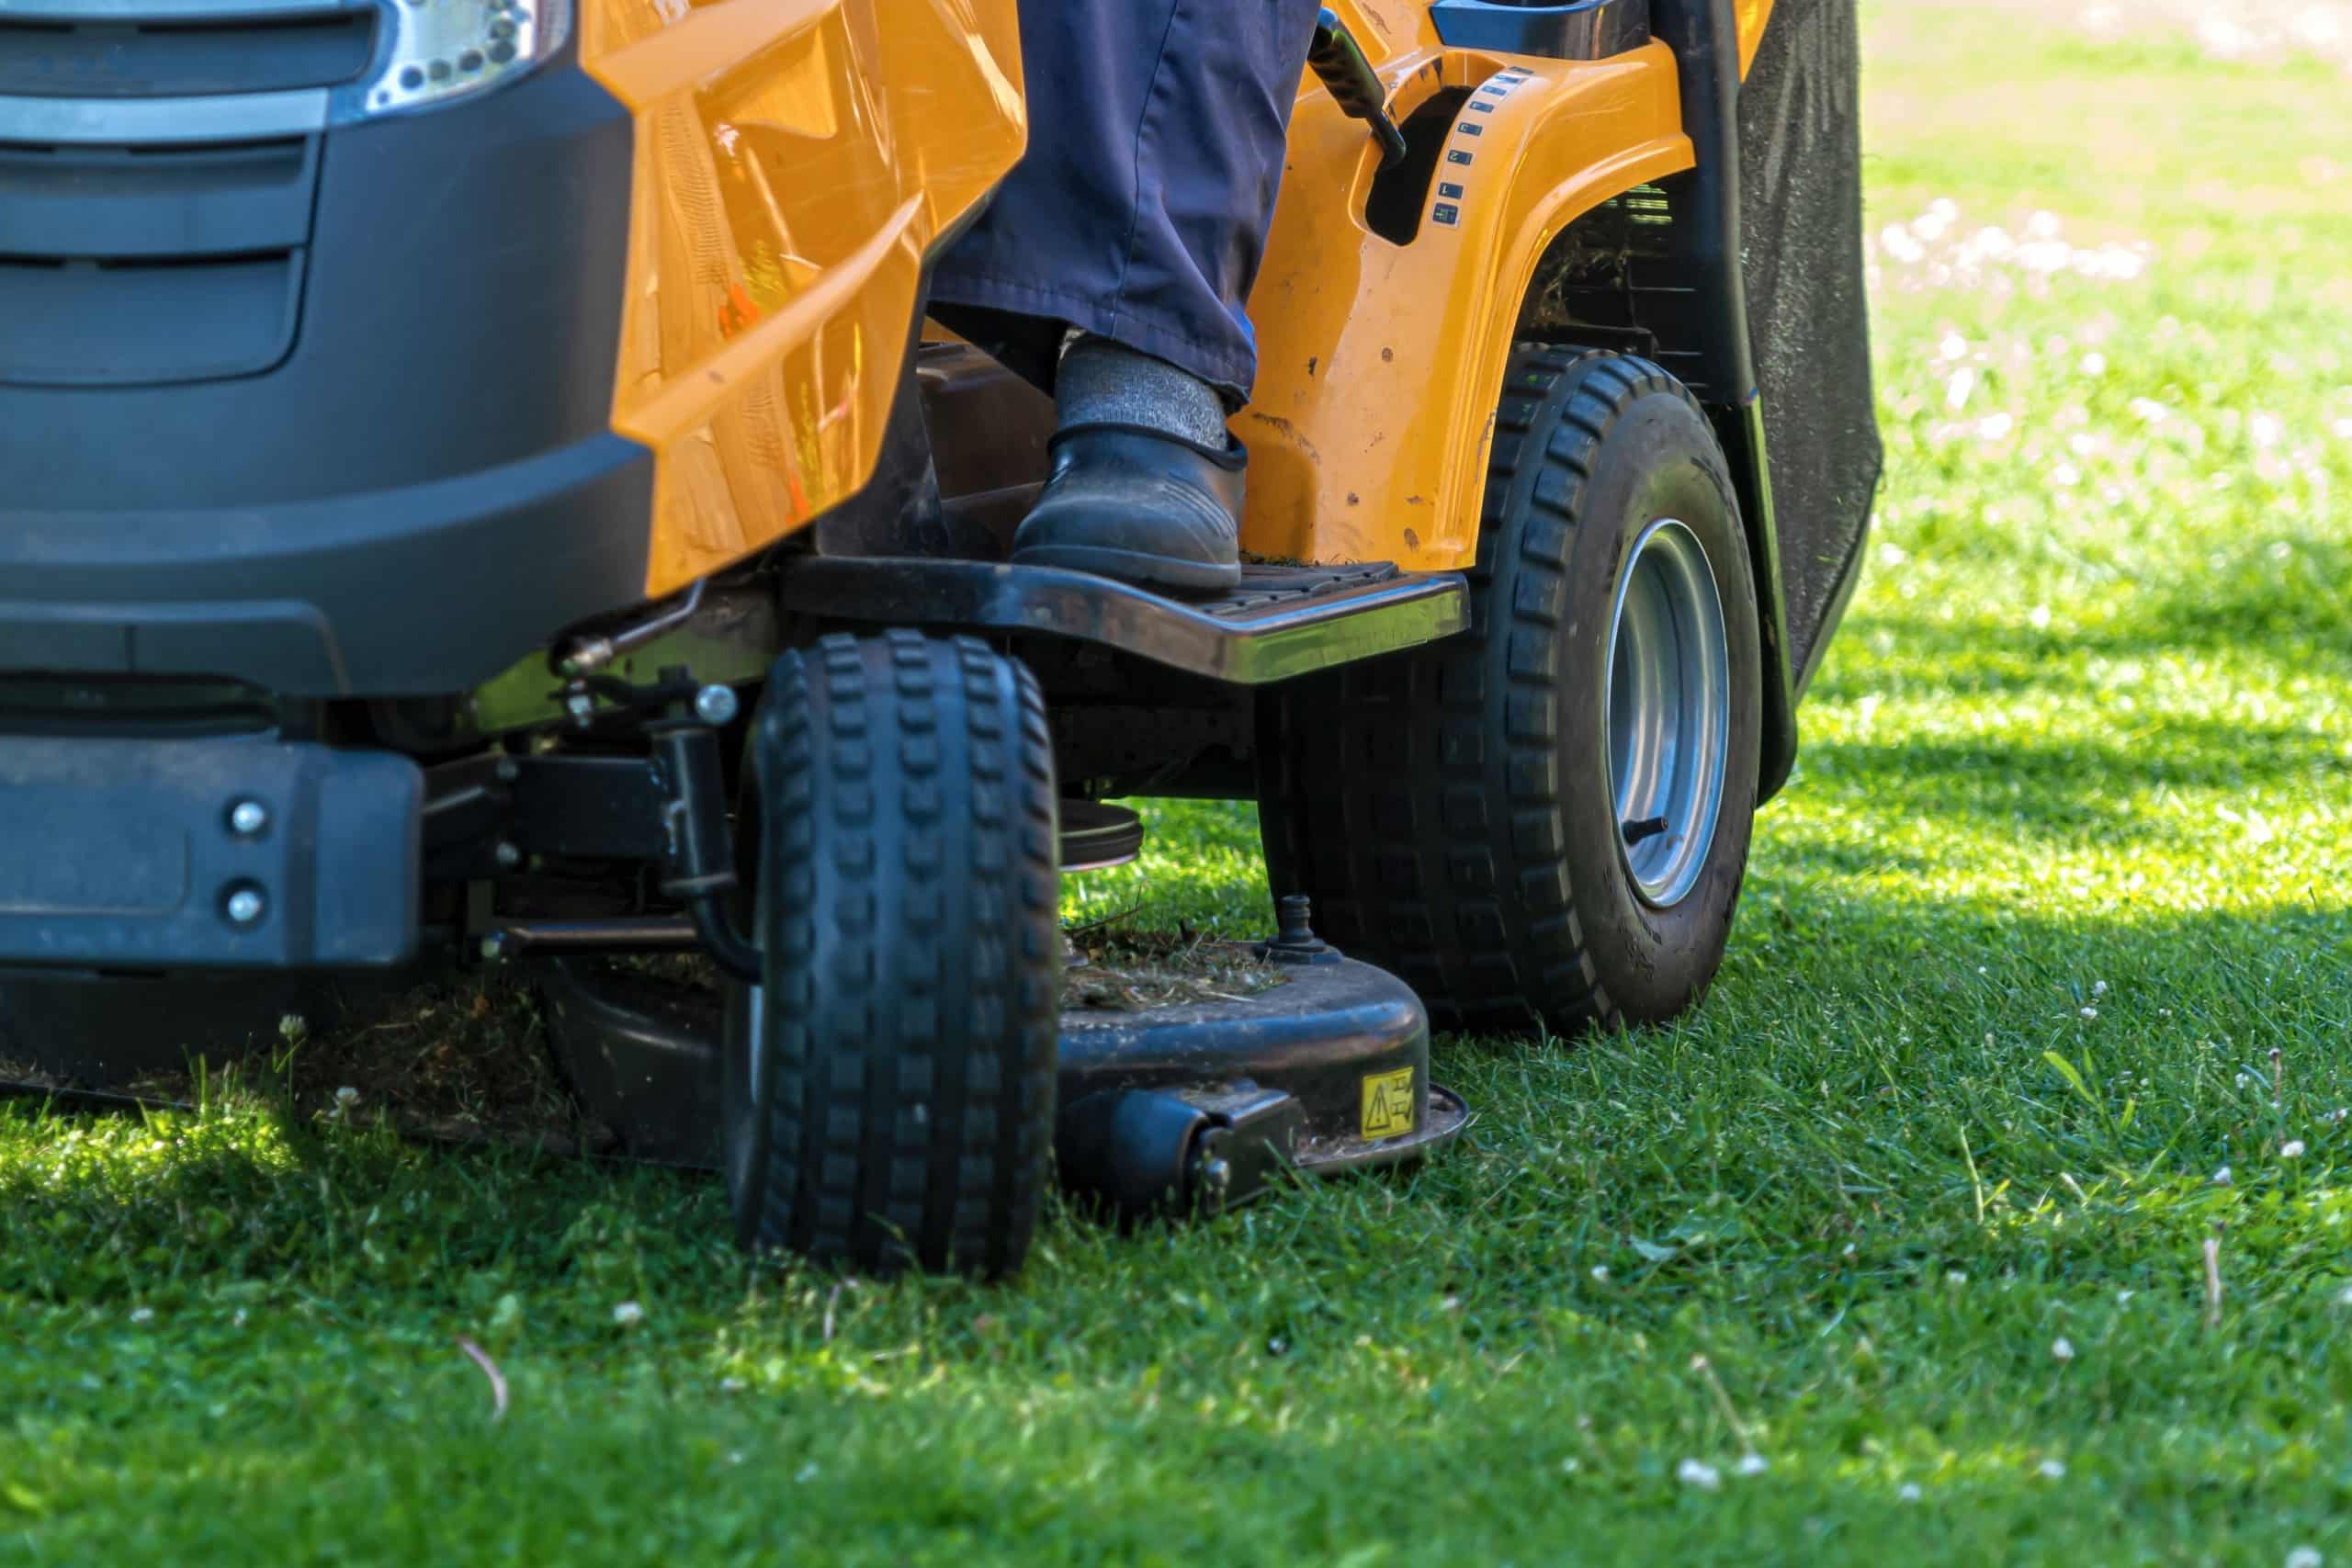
{"x": 2089, "y": 725}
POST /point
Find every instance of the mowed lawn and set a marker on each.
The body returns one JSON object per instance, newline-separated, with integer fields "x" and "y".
{"x": 2042, "y": 982}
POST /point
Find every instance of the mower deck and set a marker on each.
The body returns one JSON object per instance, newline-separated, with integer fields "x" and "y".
{"x": 1200, "y": 1102}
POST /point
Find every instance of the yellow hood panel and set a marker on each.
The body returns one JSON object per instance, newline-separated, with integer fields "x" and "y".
{"x": 796, "y": 159}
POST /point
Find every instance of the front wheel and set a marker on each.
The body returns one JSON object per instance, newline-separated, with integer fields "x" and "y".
{"x": 1544, "y": 819}
{"x": 888, "y": 1086}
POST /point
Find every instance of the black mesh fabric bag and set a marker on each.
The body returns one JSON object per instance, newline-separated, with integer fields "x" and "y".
{"x": 1801, "y": 225}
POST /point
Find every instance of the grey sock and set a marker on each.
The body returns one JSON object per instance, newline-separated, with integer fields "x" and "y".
{"x": 1103, "y": 381}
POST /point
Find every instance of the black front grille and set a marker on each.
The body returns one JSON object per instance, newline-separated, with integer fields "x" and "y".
{"x": 145, "y": 248}
{"x": 141, "y": 322}
{"x": 59, "y": 58}
{"x": 176, "y": 200}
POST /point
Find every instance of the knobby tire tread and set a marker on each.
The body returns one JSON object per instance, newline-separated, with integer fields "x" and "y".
{"x": 1419, "y": 798}
{"x": 916, "y": 1008}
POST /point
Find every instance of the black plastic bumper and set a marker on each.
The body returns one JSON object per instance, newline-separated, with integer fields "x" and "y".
{"x": 206, "y": 854}
{"x": 423, "y": 487}
{"x": 411, "y": 592}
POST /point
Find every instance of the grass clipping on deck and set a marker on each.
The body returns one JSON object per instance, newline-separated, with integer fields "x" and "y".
{"x": 1121, "y": 971}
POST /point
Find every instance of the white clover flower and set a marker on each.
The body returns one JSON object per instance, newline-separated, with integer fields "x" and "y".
{"x": 2244, "y": 1078}
{"x": 732, "y": 1385}
{"x": 2291, "y": 1149}
{"x": 2115, "y": 263}
{"x": 2266, "y": 429}
{"x": 2061, "y": 1349}
{"x": 2098, "y": 987}
{"x": 2221, "y": 36}
{"x": 1994, "y": 244}
{"x": 628, "y": 1313}
{"x": 1953, "y": 347}
{"x": 1996, "y": 427}
{"x": 1752, "y": 1464}
{"x": 1955, "y": 1277}
{"x": 2304, "y": 1557}
{"x": 2094, "y": 364}
{"x": 239, "y": 1321}
{"x": 1601, "y": 1272}
{"x": 2343, "y": 1297}
{"x": 142, "y": 1314}
{"x": 2055, "y": 1470}
{"x": 1908, "y": 1491}
{"x": 2123, "y": 1297}
{"x": 2090, "y": 1013}
{"x": 1698, "y": 1473}
{"x": 2222, "y": 1177}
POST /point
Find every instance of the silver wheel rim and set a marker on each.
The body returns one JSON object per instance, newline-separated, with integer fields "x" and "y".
{"x": 1669, "y": 726}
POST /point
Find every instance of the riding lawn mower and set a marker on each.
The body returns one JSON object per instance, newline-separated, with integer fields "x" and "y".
{"x": 478, "y": 485}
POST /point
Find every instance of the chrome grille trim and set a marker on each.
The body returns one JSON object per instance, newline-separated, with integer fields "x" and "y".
{"x": 117, "y": 122}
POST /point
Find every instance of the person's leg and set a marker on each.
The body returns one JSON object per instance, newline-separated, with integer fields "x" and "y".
{"x": 1137, "y": 219}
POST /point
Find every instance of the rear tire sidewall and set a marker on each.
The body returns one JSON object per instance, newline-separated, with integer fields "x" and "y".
{"x": 1659, "y": 461}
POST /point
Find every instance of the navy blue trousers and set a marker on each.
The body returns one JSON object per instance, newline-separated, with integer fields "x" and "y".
{"x": 1139, "y": 211}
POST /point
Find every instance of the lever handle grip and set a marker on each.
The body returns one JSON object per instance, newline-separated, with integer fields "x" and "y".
{"x": 1339, "y": 64}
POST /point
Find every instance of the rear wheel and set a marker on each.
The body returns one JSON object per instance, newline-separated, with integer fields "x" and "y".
{"x": 1544, "y": 820}
{"x": 888, "y": 1086}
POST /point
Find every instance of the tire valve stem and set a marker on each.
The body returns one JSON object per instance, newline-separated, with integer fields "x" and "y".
{"x": 1647, "y": 828}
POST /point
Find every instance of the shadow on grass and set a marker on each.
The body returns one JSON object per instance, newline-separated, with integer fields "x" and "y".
{"x": 2273, "y": 591}
{"x": 2069, "y": 785}
{"x": 2280, "y": 599}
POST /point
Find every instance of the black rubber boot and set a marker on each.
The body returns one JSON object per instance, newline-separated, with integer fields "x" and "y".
{"x": 1140, "y": 506}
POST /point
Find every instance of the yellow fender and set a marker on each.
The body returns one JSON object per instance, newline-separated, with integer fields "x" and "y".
{"x": 1380, "y": 364}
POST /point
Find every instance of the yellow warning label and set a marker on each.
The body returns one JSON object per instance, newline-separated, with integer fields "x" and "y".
{"x": 1388, "y": 1104}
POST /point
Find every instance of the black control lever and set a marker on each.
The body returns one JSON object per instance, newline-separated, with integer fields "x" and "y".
{"x": 1339, "y": 64}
